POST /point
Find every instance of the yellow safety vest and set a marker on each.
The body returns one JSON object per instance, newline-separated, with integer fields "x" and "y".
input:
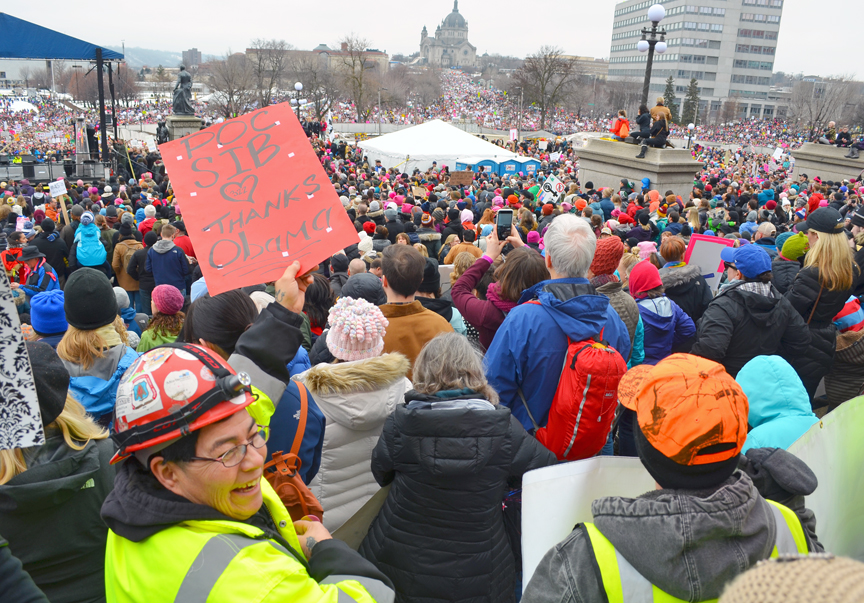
{"x": 623, "y": 584}
{"x": 226, "y": 562}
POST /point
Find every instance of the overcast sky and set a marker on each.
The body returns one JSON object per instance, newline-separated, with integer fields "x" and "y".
{"x": 821, "y": 43}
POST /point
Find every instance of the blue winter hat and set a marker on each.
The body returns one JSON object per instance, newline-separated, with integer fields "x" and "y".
{"x": 751, "y": 260}
{"x": 47, "y": 316}
{"x": 461, "y": 205}
{"x": 646, "y": 183}
{"x": 487, "y": 230}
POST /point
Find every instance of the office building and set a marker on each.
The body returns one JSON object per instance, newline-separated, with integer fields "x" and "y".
{"x": 727, "y": 45}
{"x": 191, "y": 57}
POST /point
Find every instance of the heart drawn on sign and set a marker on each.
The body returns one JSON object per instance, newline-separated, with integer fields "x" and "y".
{"x": 240, "y": 192}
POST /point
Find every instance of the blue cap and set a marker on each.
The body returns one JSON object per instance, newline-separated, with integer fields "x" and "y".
{"x": 47, "y": 316}
{"x": 750, "y": 260}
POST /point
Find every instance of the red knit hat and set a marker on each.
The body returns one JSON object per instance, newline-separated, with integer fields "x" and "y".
{"x": 625, "y": 219}
{"x": 644, "y": 277}
{"x": 369, "y": 228}
{"x": 608, "y": 254}
{"x": 512, "y": 199}
{"x": 547, "y": 209}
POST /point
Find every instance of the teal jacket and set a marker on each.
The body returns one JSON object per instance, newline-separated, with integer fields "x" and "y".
{"x": 780, "y": 409}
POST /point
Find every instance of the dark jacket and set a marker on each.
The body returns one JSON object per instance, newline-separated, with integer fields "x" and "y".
{"x": 687, "y": 287}
{"x": 739, "y": 325}
{"x": 15, "y": 584}
{"x": 68, "y": 233}
{"x": 50, "y": 515}
{"x": 55, "y": 250}
{"x": 784, "y": 272}
{"x": 168, "y": 264}
{"x": 394, "y": 227}
{"x": 137, "y": 269}
{"x": 768, "y": 244}
{"x": 431, "y": 239}
{"x": 337, "y": 279}
{"x": 802, "y": 294}
{"x": 442, "y": 307}
{"x": 689, "y": 543}
{"x": 644, "y": 123}
{"x": 440, "y": 535}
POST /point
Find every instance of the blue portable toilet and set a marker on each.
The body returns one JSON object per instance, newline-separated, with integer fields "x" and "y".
{"x": 476, "y": 162}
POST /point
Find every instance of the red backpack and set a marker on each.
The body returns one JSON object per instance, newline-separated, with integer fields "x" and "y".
{"x": 585, "y": 402}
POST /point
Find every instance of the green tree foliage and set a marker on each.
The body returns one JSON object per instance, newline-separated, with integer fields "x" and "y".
{"x": 691, "y": 103}
{"x": 669, "y": 98}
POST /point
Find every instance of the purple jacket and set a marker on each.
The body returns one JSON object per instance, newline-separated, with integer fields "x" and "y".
{"x": 483, "y": 315}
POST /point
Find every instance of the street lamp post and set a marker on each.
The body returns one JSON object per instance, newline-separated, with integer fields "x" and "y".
{"x": 651, "y": 42}
{"x": 380, "y": 113}
{"x": 298, "y": 88}
{"x": 690, "y": 128}
{"x": 519, "y": 127}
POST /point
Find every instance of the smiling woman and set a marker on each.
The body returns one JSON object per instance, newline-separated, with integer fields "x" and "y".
{"x": 190, "y": 488}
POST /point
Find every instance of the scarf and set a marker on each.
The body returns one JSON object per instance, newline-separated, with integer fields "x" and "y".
{"x": 602, "y": 279}
{"x": 493, "y": 295}
{"x": 680, "y": 264}
{"x": 109, "y": 335}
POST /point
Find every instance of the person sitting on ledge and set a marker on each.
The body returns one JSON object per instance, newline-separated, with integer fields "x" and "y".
{"x": 830, "y": 134}
{"x": 661, "y": 111}
{"x": 659, "y": 133}
{"x": 643, "y": 120}
{"x": 621, "y": 126}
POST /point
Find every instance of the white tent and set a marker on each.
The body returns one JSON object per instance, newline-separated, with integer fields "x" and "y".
{"x": 419, "y": 146}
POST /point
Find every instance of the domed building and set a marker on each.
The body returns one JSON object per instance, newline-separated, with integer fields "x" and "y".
{"x": 450, "y": 46}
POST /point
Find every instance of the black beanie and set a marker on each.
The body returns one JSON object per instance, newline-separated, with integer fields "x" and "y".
{"x": 431, "y": 277}
{"x": 125, "y": 229}
{"x": 47, "y": 225}
{"x": 89, "y": 300}
{"x": 672, "y": 476}
{"x": 453, "y": 214}
{"x": 150, "y": 239}
{"x": 644, "y": 218}
{"x": 52, "y": 380}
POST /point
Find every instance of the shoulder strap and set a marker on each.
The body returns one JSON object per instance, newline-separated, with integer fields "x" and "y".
{"x": 818, "y": 297}
{"x": 301, "y": 424}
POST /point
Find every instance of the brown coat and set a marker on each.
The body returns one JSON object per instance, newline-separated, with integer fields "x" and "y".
{"x": 125, "y": 281}
{"x": 661, "y": 111}
{"x": 457, "y": 249}
{"x": 411, "y": 327}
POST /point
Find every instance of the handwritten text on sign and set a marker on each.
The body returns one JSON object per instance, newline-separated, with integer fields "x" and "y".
{"x": 254, "y": 198}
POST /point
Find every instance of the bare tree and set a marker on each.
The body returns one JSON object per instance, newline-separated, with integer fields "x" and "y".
{"x": 729, "y": 110}
{"x": 815, "y": 103}
{"x": 268, "y": 60}
{"x": 545, "y": 77}
{"x": 625, "y": 93}
{"x": 163, "y": 79}
{"x": 232, "y": 81}
{"x": 320, "y": 85}
{"x": 126, "y": 84}
{"x": 426, "y": 86}
{"x": 355, "y": 68}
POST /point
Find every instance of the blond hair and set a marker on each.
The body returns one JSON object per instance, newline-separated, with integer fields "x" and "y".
{"x": 84, "y": 347}
{"x": 78, "y": 429}
{"x": 462, "y": 263}
{"x": 421, "y": 248}
{"x": 628, "y": 260}
{"x": 832, "y": 257}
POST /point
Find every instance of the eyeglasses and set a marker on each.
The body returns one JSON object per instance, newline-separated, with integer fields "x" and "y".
{"x": 728, "y": 265}
{"x": 235, "y": 456}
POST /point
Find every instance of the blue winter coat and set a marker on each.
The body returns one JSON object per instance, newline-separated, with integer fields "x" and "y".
{"x": 608, "y": 207}
{"x": 765, "y": 196}
{"x": 90, "y": 251}
{"x": 283, "y": 427}
{"x": 666, "y": 326}
{"x": 780, "y": 410}
{"x": 42, "y": 278}
{"x": 128, "y": 316}
{"x": 168, "y": 264}
{"x": 529, "y": 348}
{"x": 99, "y": 395}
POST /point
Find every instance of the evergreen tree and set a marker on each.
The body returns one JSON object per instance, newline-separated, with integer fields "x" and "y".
{"x": 691, "y": 103}
{"x": 669, "y": 99}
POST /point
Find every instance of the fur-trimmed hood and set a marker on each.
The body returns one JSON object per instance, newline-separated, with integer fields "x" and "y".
{"x": 360, "y": 394}
{"x": 375, "y": 214}
{"x": 429, "y": 235}
{"x": 673, "y": 277}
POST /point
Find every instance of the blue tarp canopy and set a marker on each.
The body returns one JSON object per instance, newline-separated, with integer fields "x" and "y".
{"x": 24, "y": 40}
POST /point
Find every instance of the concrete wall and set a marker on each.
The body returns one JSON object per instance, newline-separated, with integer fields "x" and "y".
{"x": 827, "y": 162}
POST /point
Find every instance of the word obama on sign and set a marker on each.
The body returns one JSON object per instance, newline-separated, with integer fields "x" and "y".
{"x": 255, "y": 198}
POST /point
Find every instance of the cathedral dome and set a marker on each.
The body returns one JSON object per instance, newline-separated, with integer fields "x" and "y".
{"x": 454, "y": 19}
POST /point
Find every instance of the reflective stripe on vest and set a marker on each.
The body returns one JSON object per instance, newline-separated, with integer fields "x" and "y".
{"x": 379, "y": 591}
{"x": 623, "y": 584}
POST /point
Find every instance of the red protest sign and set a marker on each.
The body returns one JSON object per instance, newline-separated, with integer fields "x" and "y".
{"x": 255, "y": 198}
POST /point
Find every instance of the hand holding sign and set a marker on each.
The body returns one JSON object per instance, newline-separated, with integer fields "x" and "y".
{"x": 255, "y": 199}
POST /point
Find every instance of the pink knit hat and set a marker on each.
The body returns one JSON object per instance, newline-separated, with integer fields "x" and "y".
{"x": 356, "y": 329}
{"x": 646, "y": 248}
{"x": 167, "y": 299}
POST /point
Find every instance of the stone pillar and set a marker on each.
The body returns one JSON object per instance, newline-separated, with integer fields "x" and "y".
{"x": 181, "y": 125}
{"x": 606, "y": 162}
{"x": 827, "y": 162}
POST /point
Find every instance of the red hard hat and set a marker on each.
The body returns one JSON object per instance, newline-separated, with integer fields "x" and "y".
{"x": 171, "y": 391}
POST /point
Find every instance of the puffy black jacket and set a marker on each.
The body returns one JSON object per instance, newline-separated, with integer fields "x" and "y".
{"x": 687, "y": 287}
{"x": 802, "y": 294}
{"x": 784, "y": 272}
{"x": 440, "y": 534}
{"x": 739, "y": 325}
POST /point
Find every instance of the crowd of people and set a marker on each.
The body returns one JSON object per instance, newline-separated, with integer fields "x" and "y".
{"x": 206, "y": 447}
